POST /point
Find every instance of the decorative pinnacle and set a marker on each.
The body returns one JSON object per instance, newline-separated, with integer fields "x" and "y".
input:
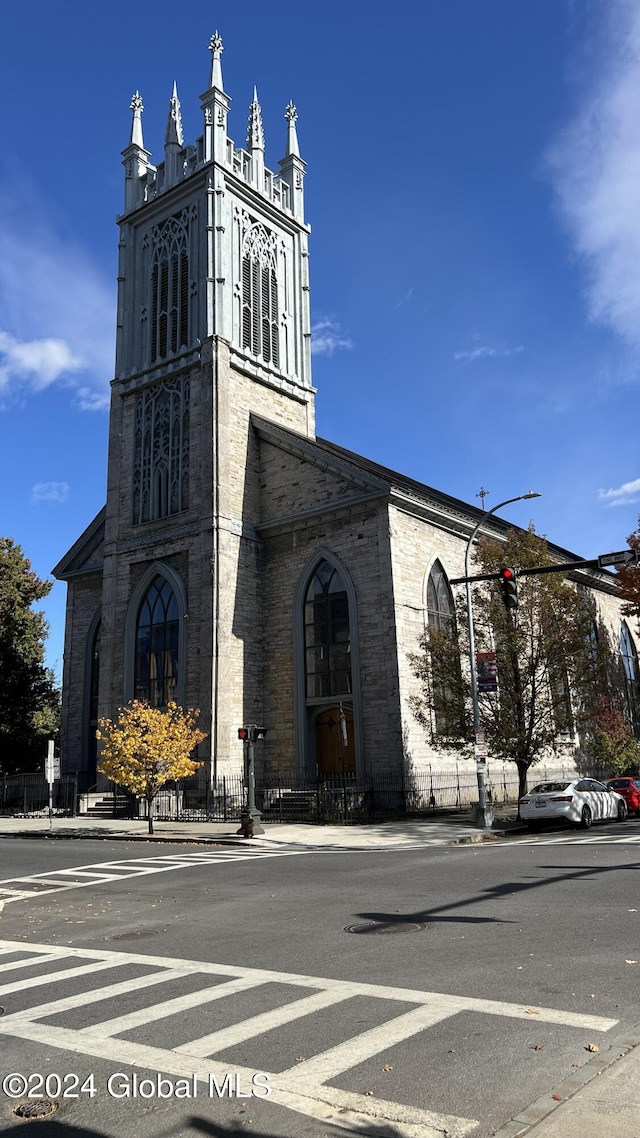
{"x": 255, "y": 132}
{"x": 174, "y": 122}
{"x": 291, "y": 116}
{"x": 216, "y": 49}
{"x": 137, "y": 107}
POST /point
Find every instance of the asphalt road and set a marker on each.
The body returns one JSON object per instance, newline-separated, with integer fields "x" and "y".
{"x": 534, "y": 945}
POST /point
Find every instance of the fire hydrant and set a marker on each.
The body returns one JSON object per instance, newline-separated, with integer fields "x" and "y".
{"x": 247, "y": 826}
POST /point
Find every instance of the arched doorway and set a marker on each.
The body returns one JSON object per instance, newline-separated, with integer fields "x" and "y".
{"x": 335, "y": 747}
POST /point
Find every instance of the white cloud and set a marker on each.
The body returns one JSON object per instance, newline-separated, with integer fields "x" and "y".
{"x": 49, "y": 492}
{"x": 485, "y": 352}
{"x": 35, "y": 363}
{"x": 327, "y": 337}
{"x": 595, "y": 166}
{"x": 56, "y": 309}
{"x": 624, "y": 495}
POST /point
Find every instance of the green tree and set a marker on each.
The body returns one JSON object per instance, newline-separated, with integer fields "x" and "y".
{"x": 147, "y": 747}
{"x": 612, "y": 744}
{"x": 30, "y": 703}
{"x": 629, "y": 577}
{"x": 552, "y": 669}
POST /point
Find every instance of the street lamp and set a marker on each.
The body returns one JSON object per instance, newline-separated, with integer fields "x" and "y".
{"x": 484, "y": 818}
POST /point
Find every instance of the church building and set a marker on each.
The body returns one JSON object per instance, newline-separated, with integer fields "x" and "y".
{"x": 241, "y": 564}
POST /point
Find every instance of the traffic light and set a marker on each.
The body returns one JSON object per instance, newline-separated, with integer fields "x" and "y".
{"x": 509, "y": 587}
{"x": 250, "y": 733}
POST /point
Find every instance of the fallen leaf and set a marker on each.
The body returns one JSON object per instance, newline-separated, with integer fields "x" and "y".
{"x": 558, "y": 1098}
{"x": 387, "y": 1067}
{"x": 532, "y": 1012}
{"x": 538, "y": 1047}
{"x": 300, "y": 1059}
{"x": 368, "y": 1092}
{"x": 576, "y": 1064}
{"x": 592, "y": 1047}
{"x": 452, "y": 1051}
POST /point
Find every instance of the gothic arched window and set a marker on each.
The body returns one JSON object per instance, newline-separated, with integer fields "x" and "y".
{"x": 630, "y": 664}
{"x": 326, "y": 634}
{"x": 260, "y": 295}
{"x": 157, "y": 637}
{"x": 446, "y": 680}
{"x": 440, "y": 612}
{"x": 169, "y": 326}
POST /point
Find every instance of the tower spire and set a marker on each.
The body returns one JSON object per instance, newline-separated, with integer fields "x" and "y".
{"x": 216, "y": 48}
{"x": 173, "y": 142}
{"x": 255, "y": 130}
{"x": 173, "y": 135}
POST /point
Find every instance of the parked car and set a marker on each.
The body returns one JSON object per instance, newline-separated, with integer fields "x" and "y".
{"x": 629, "y": 788}
{"x": 580, "y": 801}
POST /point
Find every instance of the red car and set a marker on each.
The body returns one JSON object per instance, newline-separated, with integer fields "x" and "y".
{"x": 629, "y": 788}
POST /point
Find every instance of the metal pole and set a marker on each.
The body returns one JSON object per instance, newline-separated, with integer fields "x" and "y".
{"x": 251, "y": 817}
{"x": 484, "y": 814}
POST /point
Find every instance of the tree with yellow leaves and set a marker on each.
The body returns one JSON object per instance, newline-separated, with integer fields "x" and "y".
{"x": 146, "y": 747}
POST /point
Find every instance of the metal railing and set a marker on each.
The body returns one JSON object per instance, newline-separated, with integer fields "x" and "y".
{"x": 381, "y": 796}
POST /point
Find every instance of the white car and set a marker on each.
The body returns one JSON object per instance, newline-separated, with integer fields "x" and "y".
{"x": 581, "y": 801}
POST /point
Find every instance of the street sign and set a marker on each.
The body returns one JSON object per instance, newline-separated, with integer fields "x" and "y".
{"x": 52, "y": 768}
{"x": 623, "y": 557}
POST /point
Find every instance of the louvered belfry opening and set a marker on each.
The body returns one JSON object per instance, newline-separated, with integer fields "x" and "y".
{"x": 260, "y": 295}
{"x": 169, "y": 290}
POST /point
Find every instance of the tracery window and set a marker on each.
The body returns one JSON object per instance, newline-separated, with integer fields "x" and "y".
{"x": 260, "y": 294}
{"x": 448, "y": 712}
{"x": 440, "y": 612}
{"x": 157, "y": 634}
{"x": 169, "y": 326}
{"x": 630, "y": 664}
{"x": 161, "y": 460}
{"x": 326, "y": 633}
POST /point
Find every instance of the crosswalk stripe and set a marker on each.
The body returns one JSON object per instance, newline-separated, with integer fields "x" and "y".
{"x": 66, "y": 1003}
{"x": 331, "y": 1063}
{"x": 229, "y": 1036}
{"x": 139, "y": 1018}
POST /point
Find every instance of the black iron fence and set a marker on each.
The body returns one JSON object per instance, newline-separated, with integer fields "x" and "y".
{"x": 374, "y": 798}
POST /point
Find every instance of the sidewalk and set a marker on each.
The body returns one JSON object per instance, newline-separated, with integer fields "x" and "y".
{"x": 412, "y": 834}
{"x": 602, "y": 1099}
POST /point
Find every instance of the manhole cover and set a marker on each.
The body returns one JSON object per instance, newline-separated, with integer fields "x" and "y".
{"x": 37, "y": 1109}
{"x": 134, "y": 934}
{"x": 386, "y": 927}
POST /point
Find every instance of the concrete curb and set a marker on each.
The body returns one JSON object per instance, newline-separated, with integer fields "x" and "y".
{"x": 538, "y": 1112}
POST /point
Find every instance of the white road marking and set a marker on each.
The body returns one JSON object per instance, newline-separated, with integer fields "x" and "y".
{"x": 104, "y": 872}
{"x": 301, "y": 1088}
{"x": 229, "y": 1036}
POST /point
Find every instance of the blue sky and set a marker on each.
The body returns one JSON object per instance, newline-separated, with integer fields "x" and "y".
{"x": 474, "y": 191}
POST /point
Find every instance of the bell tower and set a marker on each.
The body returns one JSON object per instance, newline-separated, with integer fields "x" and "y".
{"x": 212, "y": 329}
{"x": 214, "y": 244}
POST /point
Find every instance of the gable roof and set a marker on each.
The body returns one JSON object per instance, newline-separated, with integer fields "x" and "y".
{"x": 81, "y": 558}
